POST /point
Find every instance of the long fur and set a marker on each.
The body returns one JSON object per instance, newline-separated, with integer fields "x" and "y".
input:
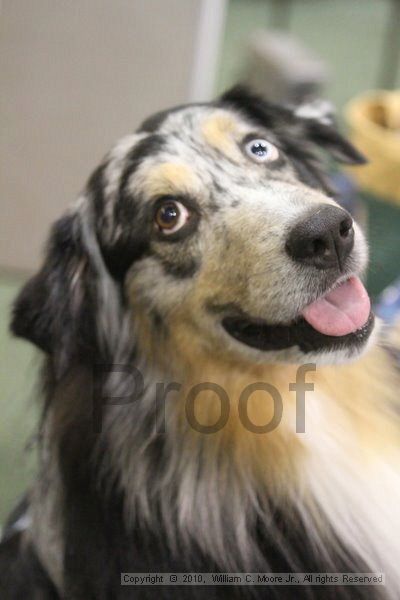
{"x": 126, "y": 483}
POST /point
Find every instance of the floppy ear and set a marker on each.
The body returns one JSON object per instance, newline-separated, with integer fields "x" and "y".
{"x": 311, "y": 122}
{"x": 318, "y": 119}
{"x": 55, "y": 310}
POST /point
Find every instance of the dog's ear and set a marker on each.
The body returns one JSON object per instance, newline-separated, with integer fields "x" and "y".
{"x": 312, "y": 123}
{"x": 318, "y": 120}
{"x": 55, "y": 309}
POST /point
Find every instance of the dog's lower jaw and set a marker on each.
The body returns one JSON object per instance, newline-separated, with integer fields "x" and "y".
{"x": 335, "y": 356}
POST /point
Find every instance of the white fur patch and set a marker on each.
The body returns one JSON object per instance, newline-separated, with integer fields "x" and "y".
{"x": 357, "y": 496}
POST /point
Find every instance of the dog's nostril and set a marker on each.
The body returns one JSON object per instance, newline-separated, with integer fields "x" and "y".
{"x": 319, "y": 247}
{"x": 346, "y": 226}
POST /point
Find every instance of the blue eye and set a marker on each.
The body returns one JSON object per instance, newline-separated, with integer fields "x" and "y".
{"x": 260, "y": 150}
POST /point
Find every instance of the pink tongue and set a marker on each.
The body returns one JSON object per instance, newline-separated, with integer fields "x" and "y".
{"x": 342, "y": 311}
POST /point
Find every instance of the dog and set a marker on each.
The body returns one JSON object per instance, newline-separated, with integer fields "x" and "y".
{"x": 205, "y": 275}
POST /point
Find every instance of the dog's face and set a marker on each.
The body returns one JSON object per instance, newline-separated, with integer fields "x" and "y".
{"x": 217, "y": 219}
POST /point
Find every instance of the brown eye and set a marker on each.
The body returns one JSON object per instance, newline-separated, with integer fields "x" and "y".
{"x": 171, "y": 216}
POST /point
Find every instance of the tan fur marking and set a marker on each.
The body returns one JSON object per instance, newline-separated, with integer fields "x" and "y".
{"x": 218, "y": 131}
{"x": 170, "y": 178}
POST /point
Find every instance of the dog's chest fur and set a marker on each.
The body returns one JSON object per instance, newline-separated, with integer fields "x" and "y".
{"x": 179, "y": 500}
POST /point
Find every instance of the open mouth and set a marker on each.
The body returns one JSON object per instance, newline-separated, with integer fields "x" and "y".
{"x": 341, "y": 318}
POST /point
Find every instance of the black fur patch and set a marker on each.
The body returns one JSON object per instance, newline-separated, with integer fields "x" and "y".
{"x": 119, "y": 256}
{"x": 22, "y": 576}
{"x": 56, "y": 309}
{"x": 180, "y": 270}
{"x": 132, "y": 242}
{"x": 95, "y": 187}
{"x": 255, "y": 108}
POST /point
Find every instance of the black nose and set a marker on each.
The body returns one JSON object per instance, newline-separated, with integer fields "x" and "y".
{"x": 324, "y": 239}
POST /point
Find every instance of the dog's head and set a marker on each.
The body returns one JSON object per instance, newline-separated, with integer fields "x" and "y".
{"x": 216, "y": 219}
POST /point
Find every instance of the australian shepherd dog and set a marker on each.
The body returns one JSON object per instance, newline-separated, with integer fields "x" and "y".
{"x": 215, "y": 395}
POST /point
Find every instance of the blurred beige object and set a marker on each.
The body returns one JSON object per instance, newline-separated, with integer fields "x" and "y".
{"x": 374, "y": 120}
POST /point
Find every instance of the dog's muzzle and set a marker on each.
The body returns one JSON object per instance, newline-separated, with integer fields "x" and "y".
{"x": 341, "y": 315}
